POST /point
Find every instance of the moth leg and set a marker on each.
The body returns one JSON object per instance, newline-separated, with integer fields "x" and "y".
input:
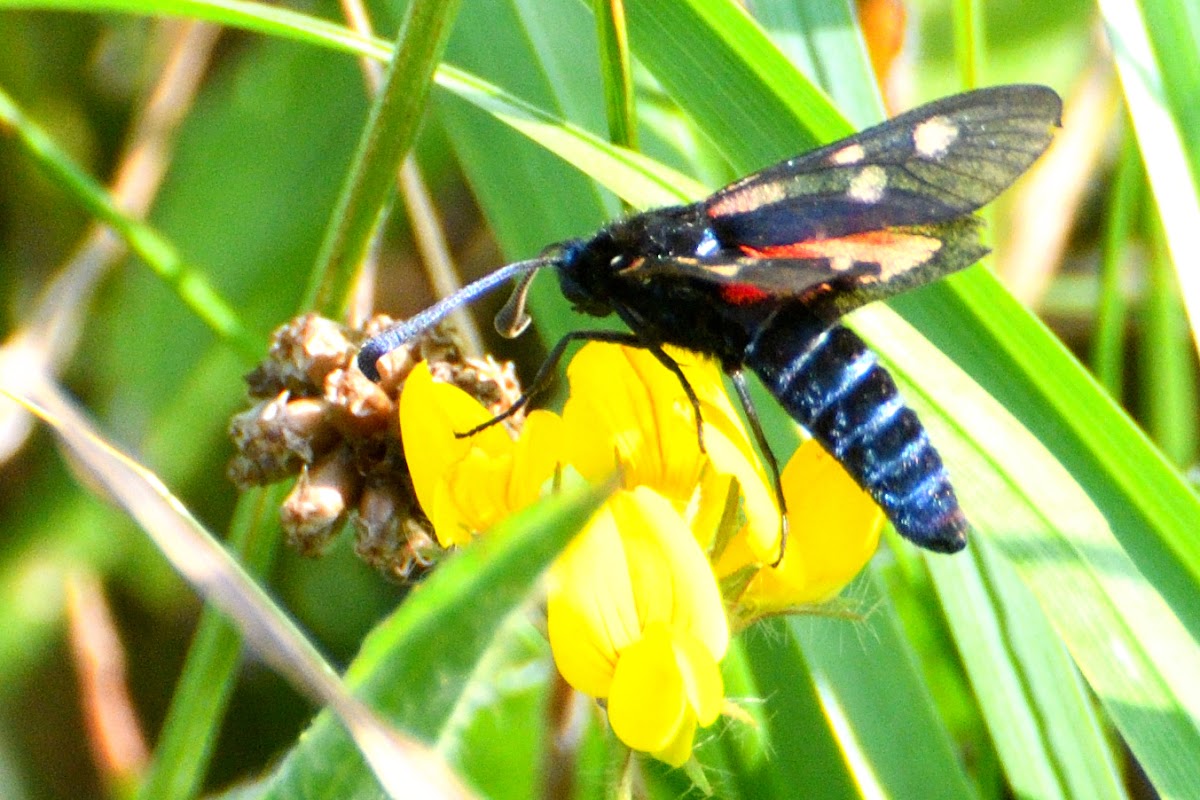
{"x": 760, "y": 439}
{"x": 546, "y": 371}
{"x": 677, "y": 371}
{"x": 635, "y": 322}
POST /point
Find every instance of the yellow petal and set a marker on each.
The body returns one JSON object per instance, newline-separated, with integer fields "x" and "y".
{"x": 647, "y": 704}
{"x": 701, "y": 678}
{"x": 627, "y": 411}
{"x": 758, "y": 541}
{"x": 535, "y": 458}
{"x": 833, "y": 531}
{"x": 679, "y": 750}
{"x": 478, "y": 486}
{"x": 635, "y": 565}
{"x": 671, "y": 578}
{"x": 591, "y": 614}
{"x": 446, "y": 516}
{"x": 430, "y": 414}
{"x": 730, "y": 452}
{"x": 706, "y": 514}
{"x": 706, "y": 379}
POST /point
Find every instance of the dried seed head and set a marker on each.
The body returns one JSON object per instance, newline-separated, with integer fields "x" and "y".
{"x": 302, "y": 353}
{"x": 277, "y": 437}
{"x": 322, "y": 419}
{"x": 361, "y": 407}
{"x": 316, "y": 508}
{"x": 392, "y": 535}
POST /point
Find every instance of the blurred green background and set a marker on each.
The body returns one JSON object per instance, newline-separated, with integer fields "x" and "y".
{"x": 254, "y": 172}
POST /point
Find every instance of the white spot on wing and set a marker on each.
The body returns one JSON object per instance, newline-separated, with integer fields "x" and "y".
{"x": 751, "y": 198}
{"x": 933, "y": 137}
{"x": 868, "y": 185}
{"x": 850, "y": 154}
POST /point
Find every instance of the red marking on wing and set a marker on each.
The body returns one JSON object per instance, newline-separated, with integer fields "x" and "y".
{"x": 895, "y": 252}
{"x": 741, "y": 294}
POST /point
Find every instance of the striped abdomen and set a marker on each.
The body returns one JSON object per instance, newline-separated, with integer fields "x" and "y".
{"x": 827, "y": 379}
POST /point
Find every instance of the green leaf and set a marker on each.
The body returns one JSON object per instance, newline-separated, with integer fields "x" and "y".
{"x": 617, "y": 72}
{"x": 1039, "y": 714}
{"x": 1108, "y": 343}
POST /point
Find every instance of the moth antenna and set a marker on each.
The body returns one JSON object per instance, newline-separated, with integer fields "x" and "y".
{"x": 383, "y": 343}
{"x": 512, "y": 319}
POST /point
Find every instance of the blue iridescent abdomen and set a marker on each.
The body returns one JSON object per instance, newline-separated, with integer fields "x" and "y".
{"x": 830, "y": 382}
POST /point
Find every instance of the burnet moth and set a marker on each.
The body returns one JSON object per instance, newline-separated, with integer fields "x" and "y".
{"x": 758, "y": 274}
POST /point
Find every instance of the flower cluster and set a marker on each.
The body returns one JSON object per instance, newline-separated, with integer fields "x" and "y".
{"x": 641, "y": 604}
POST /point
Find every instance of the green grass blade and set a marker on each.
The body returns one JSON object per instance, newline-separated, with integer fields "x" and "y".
{"x": 1173, "y": 27}
{"x": 1041, "y": 722}
{"x": 637, "y": 179}
{"x": 968, "y": 40}
{"x": 389, "y": 134}
{"x": 251, "y": 16}
{"x": 199, "y": 558}
{"x": 418, "y": 667}
{"x": 617, "y": 72}
{"x": 640, "y": 180}
{"x": 190, "y": 284}
{"x": 823, "y": 41}
{"x": 1171, "y": 377}
{"x": 1038, "y": 713}
{"x": 880, "y": 702}
{"x": 189, "y": 733}
{"x": 795, "y": 749}
{"x": 1108, "y": 341}
{"x": 1116, "y": 626}
{"x": 1156, "y": 49}
{"x": 692, "y": 45}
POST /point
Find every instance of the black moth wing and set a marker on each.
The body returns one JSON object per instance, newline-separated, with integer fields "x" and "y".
{"x": 833, "y": 287}
{"x": 779, "y": 277}
{"x": 933, "y": 164}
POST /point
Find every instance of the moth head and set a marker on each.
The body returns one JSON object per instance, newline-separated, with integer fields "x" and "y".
{"x": 581, "y": 267}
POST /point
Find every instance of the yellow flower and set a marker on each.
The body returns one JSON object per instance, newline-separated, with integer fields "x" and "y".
{"x": 635, "y": 616}
{"x": 627, "y": 412}
{"x": 468, "y": 485}
{"x": 635, "y": 611}
{"x": 833, "y": 530}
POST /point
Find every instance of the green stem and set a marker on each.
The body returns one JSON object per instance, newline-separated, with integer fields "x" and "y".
{"x": 201, "y": 697}
{"x": 615, "y": 69}
{"x": 389, "y": 134}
